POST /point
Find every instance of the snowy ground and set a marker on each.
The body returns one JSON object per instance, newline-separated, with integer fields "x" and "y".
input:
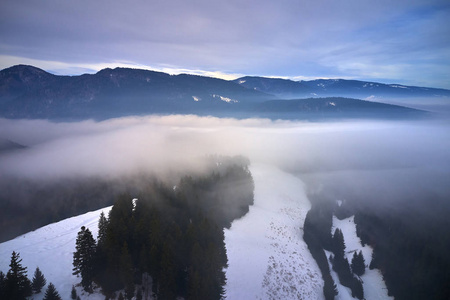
{"x": 51, "y": 249}
{"x": 373, "y": 284}
{"x": 267, "y": 256}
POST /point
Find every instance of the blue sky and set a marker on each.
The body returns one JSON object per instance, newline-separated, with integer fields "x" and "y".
{"x": 405, "y": 42}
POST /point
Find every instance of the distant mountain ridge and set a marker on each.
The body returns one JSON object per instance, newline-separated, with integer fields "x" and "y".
{"x": 289, "y": 89}
{"x": 29, "y": 92}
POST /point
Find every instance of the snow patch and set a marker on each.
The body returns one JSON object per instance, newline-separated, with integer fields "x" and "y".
{"x": 399, "y": 86}
{"x": 242, "y": 81}
{"x": 225, "y": 99}
{"x": 196, "y": 99}
{"x": 373, "y": 284}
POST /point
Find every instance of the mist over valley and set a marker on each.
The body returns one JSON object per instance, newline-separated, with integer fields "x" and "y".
{"x": 215, "y": 150}
{"x": 390, "y": 171}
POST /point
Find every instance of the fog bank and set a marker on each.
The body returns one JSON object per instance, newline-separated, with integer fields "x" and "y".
{"x": 347, "y": 158}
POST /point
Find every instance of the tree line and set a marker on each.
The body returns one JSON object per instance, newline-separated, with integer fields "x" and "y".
{"x": 317, "y": 233}
{"x": 168, "y": 242}
{"x": 16, "y": 284}
{"x": 410, "y": 251}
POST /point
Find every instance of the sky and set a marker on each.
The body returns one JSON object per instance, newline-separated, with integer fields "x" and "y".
{"x": 406, "y": 42}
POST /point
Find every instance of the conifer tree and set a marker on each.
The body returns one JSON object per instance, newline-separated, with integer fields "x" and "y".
{"x": 167, "y": 285}
{"x": 338, "y": 243}
{"x": 17, "y": 284}
{"x": 139, "y": 294}
{"x": 51, "y": 293}
{"x": 39, "y": 281}
{"x": 126, "y": 271}
{"x": 357, "y": 288}
{"x": 83, "y": 258}
{"x": 358, "y": 263}
{"x": 2, "y": 285}
{"x": 374, "y": 263}
{"x": 102, "y": 229}
{"x": 330, "y": 289}
{"x": 100, "y": 264}
{"x": 73, "y": 293}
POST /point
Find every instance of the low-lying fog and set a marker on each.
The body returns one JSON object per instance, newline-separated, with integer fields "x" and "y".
{"x": 371, "y": 161}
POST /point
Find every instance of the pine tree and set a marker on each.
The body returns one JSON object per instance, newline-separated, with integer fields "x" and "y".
{"x": 167, "y": 284}
{"x": 139, "y": 294}
{"x": 338, "y": 243}
{"x": 120, "y": 297}
{"x": 101, "y": 257}
{"x": 374, "y": 263}
{"x": 358, "y": 264}
{"x": 73, "y": 293}
{"x": 38, "y": 282}
{"x": 126, "y": 270}
{"x": 17, "y": 284}
{"x": 83, "y": 258}
{"x": 2, "y": 285}
{"x": 330, "y": 289}
{"x": 102, "y": 229}
{"x": 357, "y": 288}
{"x": 51, "y": 293}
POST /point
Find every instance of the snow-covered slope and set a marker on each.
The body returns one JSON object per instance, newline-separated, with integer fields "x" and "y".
{"x": 267, "y": 256}
{"x": 373, "y": 284}
{"x": 51, "y": 249}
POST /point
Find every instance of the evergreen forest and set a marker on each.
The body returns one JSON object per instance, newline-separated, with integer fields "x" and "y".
{"x": 409, "y": 247}
{"x": 167, "y": 242}
{"x": 16, "y": 284}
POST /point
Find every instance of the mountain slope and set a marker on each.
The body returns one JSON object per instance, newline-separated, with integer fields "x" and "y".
{"x": 269, "y": 235}
{"x": 29, "y": 92}
{"x": 335, "y": 107}
{"x": 288, "y": 89}
{"x": 267, "y": 256}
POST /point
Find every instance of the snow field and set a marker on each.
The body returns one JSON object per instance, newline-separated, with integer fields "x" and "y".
{"x": 373, "y": 284}
{"x": 267, "y": 256}
{"x": 51, "y": 249}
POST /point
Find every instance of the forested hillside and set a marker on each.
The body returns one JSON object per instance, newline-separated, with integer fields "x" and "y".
{"x": 169, "y": 241}
{"x": 27, "y": 204}
{"x": 409, "y": 248}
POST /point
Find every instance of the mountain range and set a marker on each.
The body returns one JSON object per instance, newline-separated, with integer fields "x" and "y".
{"x": 29, "y": 92}
{"x": 287, "y": 89}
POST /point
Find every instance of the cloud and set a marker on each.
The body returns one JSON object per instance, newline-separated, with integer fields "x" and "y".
{"x": 285, "y": 38}
{"x": 127, "y": 145}
{"x": 389, "y": 166}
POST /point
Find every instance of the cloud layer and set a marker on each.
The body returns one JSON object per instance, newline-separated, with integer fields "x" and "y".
{"x": 154, "y": 143}
{"x": 401, "y": 41}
